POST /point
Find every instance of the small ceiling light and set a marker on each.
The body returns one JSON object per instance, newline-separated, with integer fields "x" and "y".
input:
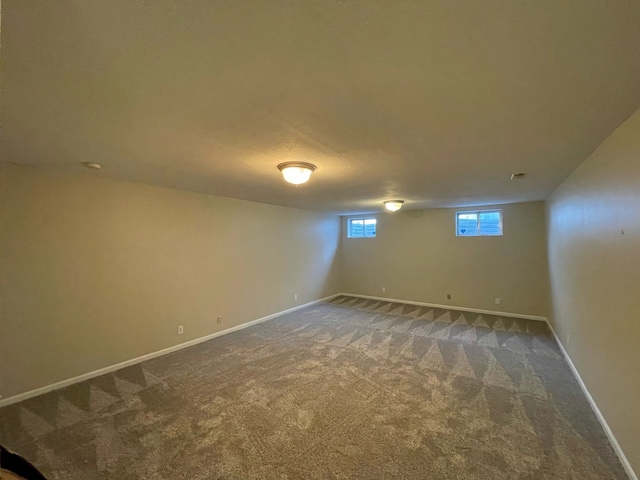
{"x": 95, "y": 166}
{"x": 517, "y": 176}
{"x": 393, "y": 205}
{"x": 296, "y": 172}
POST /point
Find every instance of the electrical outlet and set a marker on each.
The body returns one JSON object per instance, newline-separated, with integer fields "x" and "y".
{"x": 448, "y": 296}
{"x": 180, "y": 329}
{"x": 219, "y": 319}
{"x": 384, "y": 289}
{"x": 497, "y": 301}
{"x": 295, "y": 298}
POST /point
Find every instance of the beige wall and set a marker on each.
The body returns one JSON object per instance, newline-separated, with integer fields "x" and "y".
{"x": 594, "y": 258}
{"x": 417, "y": 256}
{"x": 94, "y": 272}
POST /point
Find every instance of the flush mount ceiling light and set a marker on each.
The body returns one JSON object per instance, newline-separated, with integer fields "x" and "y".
{"x": 93, "y": 165}
{"x": 296, "y": 172}
{"x": 393, "y": 205}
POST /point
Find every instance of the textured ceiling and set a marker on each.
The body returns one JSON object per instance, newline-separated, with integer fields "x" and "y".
{"x": 434, "y": 102}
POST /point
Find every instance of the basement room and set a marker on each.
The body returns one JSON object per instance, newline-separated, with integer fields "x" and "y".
{"x": 328, "y": 239}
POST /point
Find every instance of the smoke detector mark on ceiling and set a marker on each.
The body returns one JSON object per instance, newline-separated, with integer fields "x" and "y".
{"x": 93, "y": 165}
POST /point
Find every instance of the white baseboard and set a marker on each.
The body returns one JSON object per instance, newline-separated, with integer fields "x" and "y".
{"x": 450, "y": 307}
{"x": 112, "y": 368}
{"x": 596, "y": 410}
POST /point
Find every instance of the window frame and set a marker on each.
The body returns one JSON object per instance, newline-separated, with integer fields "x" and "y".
{"x": 350, "y": 219}
{"x": 478, "y": 212}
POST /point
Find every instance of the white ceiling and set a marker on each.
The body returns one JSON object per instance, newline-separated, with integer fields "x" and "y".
{"x": 434, "y": 102}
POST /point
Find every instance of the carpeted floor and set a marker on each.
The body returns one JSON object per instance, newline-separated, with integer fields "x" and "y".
{"x": 351, "y": 389}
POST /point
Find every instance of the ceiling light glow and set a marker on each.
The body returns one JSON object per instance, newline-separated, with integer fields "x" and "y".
{"x": 296, "y": 172}
{"x": 393, "y": 205}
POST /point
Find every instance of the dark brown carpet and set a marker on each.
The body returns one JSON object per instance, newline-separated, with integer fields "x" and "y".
{"x": 351, "y": 389}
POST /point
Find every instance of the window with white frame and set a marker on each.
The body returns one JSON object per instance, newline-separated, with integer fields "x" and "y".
{"x": 479, "y": 223}
{"x": 361, "y": 227}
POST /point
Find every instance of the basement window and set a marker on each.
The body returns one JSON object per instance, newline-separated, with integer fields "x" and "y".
{"x": 481, "y": 223}
{"x": 361, "y": 227}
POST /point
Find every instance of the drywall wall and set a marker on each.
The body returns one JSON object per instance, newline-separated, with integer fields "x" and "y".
{"x": 417, "y": 256}
{"x": 594, "y": 258}
{"x": 94, "y": 272}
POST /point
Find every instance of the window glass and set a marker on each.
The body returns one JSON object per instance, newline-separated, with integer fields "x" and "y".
{"x": 479, "y": 223}
{"x": 467, "y": 224}
{"x": 361, "y": 227}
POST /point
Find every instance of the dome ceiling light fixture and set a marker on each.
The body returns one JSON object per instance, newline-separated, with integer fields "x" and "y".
{"x": 393, "y": 205}
{"x": 296, "y": 172}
